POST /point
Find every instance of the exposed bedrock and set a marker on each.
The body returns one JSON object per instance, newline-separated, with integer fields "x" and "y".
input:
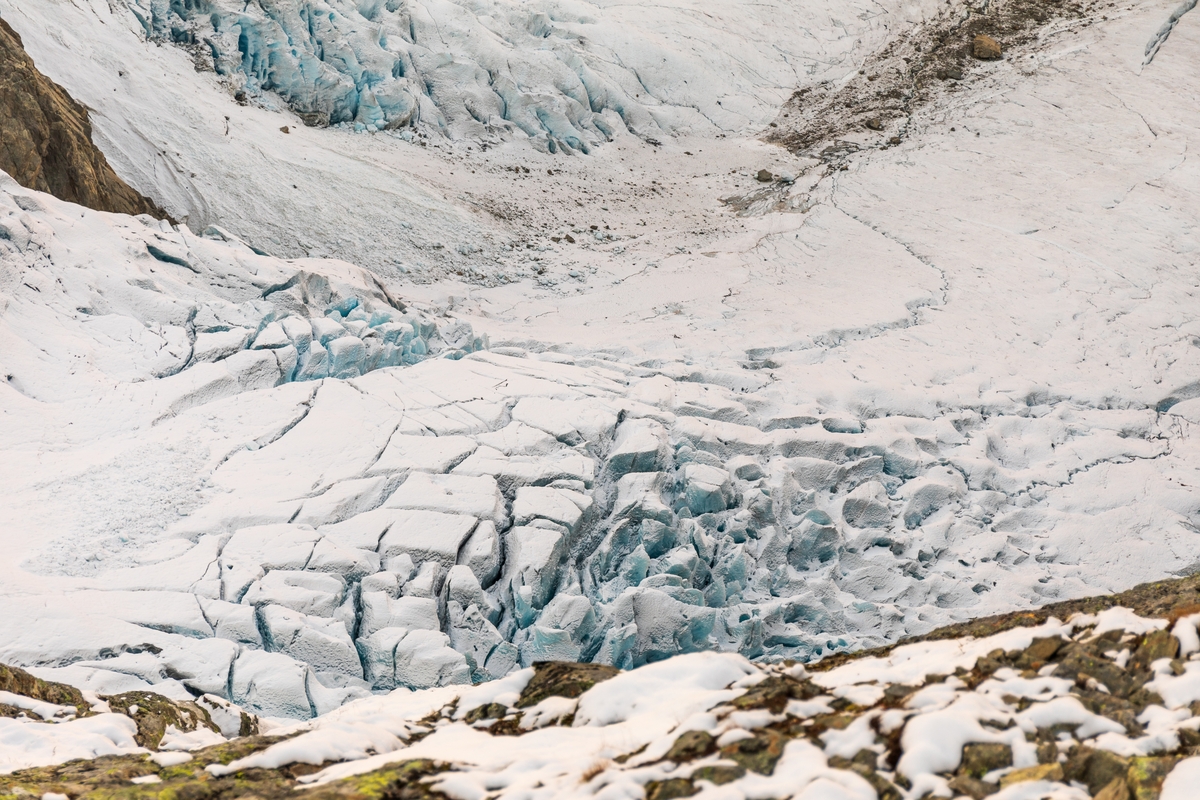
{"x": 46, "y": 138}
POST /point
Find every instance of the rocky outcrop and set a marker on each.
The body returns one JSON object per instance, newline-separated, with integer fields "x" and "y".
{"x": 1103, "y": 705}
{"x": 19, "y": 682}
{"x": 915, "y": 70}
{"x": 46, "y": 138}
{"x": 985, "y": 48}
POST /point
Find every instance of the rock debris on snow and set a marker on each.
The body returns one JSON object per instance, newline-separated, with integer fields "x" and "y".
{"x": 1101, "y": 705}
{"x": 985, "y": 47}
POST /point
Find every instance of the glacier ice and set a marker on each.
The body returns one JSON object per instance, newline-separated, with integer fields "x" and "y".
{"x": 566, "y": 77}
{"x": 326, "y": 507}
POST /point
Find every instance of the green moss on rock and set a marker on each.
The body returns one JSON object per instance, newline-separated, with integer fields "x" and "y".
{"x": 18, "y": 681}
{"x": 154, "y": 713}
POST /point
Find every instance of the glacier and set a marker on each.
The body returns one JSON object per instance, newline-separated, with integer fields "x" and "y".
{"x": 955, "y": 377}
{"x": 566, "y": 76}
{"x": 415, "y": 510}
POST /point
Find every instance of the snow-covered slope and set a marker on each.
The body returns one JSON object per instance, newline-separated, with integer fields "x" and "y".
{"x": 955, "y": 377}
{"x": 547, "y": 72}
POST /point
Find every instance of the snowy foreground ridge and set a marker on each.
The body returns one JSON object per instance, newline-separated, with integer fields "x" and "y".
{"x": 1100, "y": 706}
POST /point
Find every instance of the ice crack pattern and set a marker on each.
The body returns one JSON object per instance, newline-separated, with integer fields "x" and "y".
{"x": 601, "y": 514}
{"x": 1160, "y": 37}
{"x": 312, "y": 528}
{"x": 559, "y": 75}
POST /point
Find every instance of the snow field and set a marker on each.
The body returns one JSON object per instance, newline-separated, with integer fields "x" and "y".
{"x": 309, "y": 539}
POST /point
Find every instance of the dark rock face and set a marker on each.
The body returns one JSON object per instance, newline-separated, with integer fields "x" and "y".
{"x": 46, "y": 139}
{"x": 18, "y": 681}
{"x": 563, "y": 679}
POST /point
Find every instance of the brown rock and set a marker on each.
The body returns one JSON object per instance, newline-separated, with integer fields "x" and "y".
{"x": 154, "y": 713}
{"x": 1079, "y": 665}
{"x": 884, "y": 789}
{"x": 1038, "y": 653}
{"x": 718, "y": 774}
{"x": 985, "y": 47}
{"x": 1042, "y": 772}
{"x": 691, "y": 745}
{"x": 758, "y": 753}
{"x": 1115, "y": 708}
{"x": 1095, "y": 768}
{"x": 875, "y": 124}
{"x": 1047, "y": 753}
{"x": 14, "y": 711}
{"x": 1077, "y": 762}
{"x": 670, "y": 789}
{"x": 1156, "y": 645}
{"x": 774, "y": 692}
{"x": 1116, "y": 790}
{"x": 1103, "y": 768}
{"x": 981, "y": 758}
{"x": 18, "y": 681}
{"x": 1189, "y": 737}
{"x": 46, "y": 139}
{"x": 765, "y": 176}
{"x": 1146, "y": 776}
{"x": 488, "y": 711}
{"x": 562, "y": 679}
{"x": 975, "y": 789}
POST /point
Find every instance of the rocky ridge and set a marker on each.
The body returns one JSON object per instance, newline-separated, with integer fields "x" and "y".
{"x": 1103, "y": 705}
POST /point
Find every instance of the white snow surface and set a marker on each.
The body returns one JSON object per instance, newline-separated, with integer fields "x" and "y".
{"x": 958, "y": 378}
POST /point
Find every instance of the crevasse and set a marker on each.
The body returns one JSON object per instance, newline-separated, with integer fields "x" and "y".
{"x": 388, "y": 65}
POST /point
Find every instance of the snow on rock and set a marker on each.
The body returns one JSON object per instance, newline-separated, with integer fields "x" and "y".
{"x": 23, "y": 744}
{"x": 1036, "y": 710}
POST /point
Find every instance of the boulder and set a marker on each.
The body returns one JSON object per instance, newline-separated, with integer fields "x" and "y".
{"x": 563, "y": 679}
{"x": 154, "y": 714}
{"x": 985, "y": 48}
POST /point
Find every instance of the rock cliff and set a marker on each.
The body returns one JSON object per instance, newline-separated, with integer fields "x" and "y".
{"x": 46, "y": 138}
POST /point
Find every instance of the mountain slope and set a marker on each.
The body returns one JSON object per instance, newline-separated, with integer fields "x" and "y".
{"x": 738, "y": 398}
